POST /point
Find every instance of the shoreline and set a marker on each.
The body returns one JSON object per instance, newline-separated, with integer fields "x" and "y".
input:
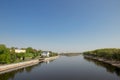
{"x": 111, "y": 62}
{"x": 15, "y": 66}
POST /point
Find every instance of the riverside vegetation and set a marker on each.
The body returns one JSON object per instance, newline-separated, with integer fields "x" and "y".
{"x": 108, "y": 53}
{"x": 8, "y": 55}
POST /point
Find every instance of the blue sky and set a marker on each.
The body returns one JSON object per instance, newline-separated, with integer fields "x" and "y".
{"x": 60, "y": 25}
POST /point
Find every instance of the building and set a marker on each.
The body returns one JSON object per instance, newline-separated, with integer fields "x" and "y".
{"x": 45, "y": 54}
{"x": 20, "y": 51}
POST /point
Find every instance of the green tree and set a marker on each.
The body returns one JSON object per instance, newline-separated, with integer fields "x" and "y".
{"x": 29, "y": 50}
{"x": 12, "y": 50}
{"x": 108, "y": 53}
{"x": 4, "y": 54}
{"x": 21, "y": 56}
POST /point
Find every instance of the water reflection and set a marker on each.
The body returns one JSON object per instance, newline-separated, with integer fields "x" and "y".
{"x": 48, "y": 61}
{"x": 30, "y": 68}
{"x": 109, "y": 68}
{"x": 65, "y": 68}
{"x": 11, "y": 75}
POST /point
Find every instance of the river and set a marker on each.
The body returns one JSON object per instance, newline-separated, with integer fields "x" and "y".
{"x": 66, "y": 68}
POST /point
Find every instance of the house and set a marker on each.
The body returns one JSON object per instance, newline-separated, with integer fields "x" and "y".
{"x": 45, "y": 54}
{"x": 20, "y": 51}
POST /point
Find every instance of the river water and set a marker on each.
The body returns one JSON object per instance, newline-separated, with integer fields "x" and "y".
{"x": 66, "y": 68}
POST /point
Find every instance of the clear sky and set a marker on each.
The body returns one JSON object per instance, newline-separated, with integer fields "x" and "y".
{"x": 60, "y": 25}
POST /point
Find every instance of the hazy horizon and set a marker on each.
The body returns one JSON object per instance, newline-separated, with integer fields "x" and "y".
{"x": 60, "y": 25}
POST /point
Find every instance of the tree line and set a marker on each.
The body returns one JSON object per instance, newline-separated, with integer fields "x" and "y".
{"x": 107, "y": 53}
{"x": 8, "y": 55}
{"x": 70, "y": 54}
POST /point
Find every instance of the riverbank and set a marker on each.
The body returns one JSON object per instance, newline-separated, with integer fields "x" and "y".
{"x": 111, "y": 62}
{"x": 50, "y": 58}
{"x": 15, "y": 66}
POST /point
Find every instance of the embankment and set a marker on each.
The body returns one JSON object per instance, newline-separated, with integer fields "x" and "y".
{"x": 51, "y": 58}
{"x": 15, "y": 66}
{"x": 111, "y": 62}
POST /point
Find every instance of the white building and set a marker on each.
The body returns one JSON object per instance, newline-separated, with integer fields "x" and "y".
{"x": 20, "y": 51}
{"x": 45, "y": 54}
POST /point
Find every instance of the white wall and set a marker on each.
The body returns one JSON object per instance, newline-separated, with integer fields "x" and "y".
{"x": 20, "y": 51}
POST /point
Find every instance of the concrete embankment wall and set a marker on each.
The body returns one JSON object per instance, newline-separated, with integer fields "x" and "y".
{"x": 15, "y": 66}
{"x": 10, "y": 67}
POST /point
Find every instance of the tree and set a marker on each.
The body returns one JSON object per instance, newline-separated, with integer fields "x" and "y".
{"x": 109, "y": 53}
{"x": 12, "y": 50}
{"x": 3, "y": 49}
{"x": 29, "y": 50}
{"x": 4, "y": 54}
{"x": 21, "y": 56}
